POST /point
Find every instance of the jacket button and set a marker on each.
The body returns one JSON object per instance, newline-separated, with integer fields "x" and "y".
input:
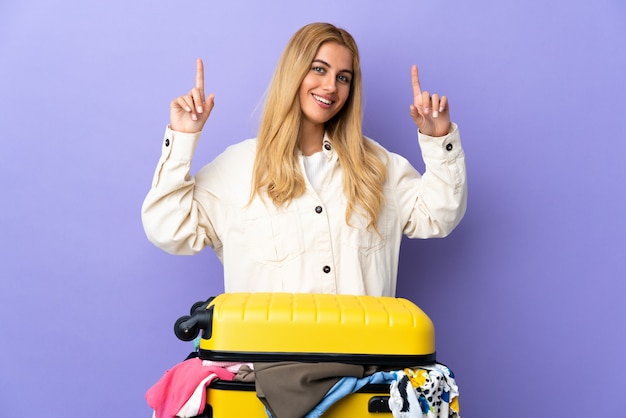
{"x": 327, "y": 146}
{"x": 449, "y": 147}
{"x": 326, "y": 269}
{"x": 318, "y": 209}
{"x": 167, "y": 142}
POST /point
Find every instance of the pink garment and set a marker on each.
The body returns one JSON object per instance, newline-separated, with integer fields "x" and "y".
{"x": 231, "y": 366}
{"x": 174, "y": 389}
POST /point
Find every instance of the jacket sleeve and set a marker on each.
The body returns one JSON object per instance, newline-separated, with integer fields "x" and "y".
{"x": 432, "y": 205}
{"x": 175, "y": 214}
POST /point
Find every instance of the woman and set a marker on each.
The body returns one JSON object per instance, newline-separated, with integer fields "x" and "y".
{"x": 310, "y": 205}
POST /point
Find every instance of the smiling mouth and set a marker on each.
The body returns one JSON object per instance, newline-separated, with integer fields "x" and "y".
{"x": 323, "y": 100}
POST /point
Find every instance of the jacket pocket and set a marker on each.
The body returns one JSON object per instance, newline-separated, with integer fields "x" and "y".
{"x": 368, "y": 241}
{"x": 272, "y": 238}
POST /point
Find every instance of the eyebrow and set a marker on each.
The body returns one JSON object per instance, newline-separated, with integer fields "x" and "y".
{"x": 329, "y": 66}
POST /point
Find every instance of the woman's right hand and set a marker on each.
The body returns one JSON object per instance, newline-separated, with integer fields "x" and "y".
{"x": 190, "y": 112}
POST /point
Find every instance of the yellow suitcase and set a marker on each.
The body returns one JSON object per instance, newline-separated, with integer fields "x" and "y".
{"x": 270, "y": 327}
{"x": 255, "y": 327}
{"x": 235, "y": 400}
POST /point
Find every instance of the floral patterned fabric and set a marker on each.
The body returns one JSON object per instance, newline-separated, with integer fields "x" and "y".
{"x": 425, "y": 392}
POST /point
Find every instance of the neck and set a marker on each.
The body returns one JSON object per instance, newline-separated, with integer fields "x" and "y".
{"x": 311, "y": 138}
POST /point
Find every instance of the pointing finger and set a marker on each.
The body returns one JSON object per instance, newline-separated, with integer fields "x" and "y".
{"x": 199, "y": 74}
{"x": 199, "y": 85}
{"x": 417, "y": 90}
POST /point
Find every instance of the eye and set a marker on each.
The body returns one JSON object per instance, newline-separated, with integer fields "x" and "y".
{"x": 343, "y": 78}
{"x": 318, "y": 69}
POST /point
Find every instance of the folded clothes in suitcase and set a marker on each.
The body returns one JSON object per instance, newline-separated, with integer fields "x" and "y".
{"x": 390, "y": 333}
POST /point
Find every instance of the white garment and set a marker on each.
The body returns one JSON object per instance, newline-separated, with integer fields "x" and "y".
{"x": 306, "y": 246}
{"x": 401, "y": 407}
{"x": 431, "y": 395}
{"x": 314, "y": 166}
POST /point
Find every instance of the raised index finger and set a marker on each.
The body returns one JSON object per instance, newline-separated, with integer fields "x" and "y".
{"x": 200, "y": 75}
{"x": 415, "y": 81}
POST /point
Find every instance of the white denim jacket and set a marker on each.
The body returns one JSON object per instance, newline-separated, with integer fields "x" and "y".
{"x": 307, "y": 246}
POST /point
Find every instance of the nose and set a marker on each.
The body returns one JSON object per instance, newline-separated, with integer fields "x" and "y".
{"x": 329, "y": 83}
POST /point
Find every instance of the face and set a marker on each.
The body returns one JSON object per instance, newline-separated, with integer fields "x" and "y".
{"x": 326, "y": 87}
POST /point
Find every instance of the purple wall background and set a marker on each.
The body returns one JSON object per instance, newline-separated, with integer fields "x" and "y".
{"x": 527, "y": 294}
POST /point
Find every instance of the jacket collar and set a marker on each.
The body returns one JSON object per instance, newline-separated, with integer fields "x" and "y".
{"x": 327, "y": 147}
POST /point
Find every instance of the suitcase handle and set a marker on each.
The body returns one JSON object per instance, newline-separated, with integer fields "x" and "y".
{"x": 378, "y": 404}
{"x": 187, "y": 328}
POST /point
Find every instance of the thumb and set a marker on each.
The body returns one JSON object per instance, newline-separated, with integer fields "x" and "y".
{"x": 209, "y": 103}
{"x": 207, "y": 107}
{"x": 415, "y": 113}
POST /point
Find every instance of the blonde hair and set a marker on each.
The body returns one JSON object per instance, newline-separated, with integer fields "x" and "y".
{"x": 276, "y": 167}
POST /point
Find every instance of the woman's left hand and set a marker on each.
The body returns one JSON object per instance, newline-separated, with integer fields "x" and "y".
{"x": 431, "y": 113}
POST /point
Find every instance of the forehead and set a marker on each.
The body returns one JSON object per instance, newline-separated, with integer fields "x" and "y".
{"x": 336, "y": 55}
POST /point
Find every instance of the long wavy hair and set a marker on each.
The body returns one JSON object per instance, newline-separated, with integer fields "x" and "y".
{"x": 277, "y": 169}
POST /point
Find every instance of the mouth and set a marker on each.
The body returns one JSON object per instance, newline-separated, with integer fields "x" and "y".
{"x": 323, "y": 100}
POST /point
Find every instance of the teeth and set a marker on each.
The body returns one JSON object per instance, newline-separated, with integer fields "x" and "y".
{"x": 321, "y": 99}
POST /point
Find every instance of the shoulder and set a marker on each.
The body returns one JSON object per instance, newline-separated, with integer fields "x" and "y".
{"x": 235, "y": 155}
{"x": 388, "y": 157}
{"x": 241, "y": 150}
{"x": 232, "y": 167}
{"x": 398, "y": 167}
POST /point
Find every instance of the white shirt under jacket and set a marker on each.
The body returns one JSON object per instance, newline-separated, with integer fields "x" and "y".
{"x": 306, "y": 247}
